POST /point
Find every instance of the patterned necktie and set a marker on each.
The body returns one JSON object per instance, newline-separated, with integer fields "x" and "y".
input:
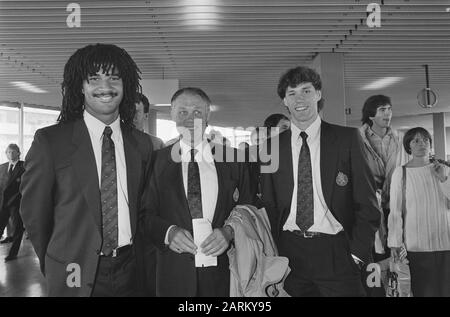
{"x": 194, "y": 188}
{"x": 108, "y": 194}
{"x": 305, "y": 195}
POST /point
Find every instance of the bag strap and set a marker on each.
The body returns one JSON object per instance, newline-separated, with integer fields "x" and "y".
{"x": 403, "y": 201}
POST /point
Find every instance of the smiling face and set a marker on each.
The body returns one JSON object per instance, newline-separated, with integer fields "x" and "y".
{"x": 383, "y": 116}
{"x": 103, "y": 93}
{"x": 302, "y": 104}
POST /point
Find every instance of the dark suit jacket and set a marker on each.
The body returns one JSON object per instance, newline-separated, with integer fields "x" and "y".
{"x": 166, "y": 205}
{"x": 61, "y": 206}
{"x": 353, "y": 205}
{"x": 9, "y": 186}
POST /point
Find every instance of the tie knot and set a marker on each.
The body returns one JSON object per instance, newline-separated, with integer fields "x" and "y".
{"x": 303, "y": 135}
{"x": 108, "y": 131}
{"x": 193, "y": 153}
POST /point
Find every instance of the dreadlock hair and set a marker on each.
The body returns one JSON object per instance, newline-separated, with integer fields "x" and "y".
{"x": 88, "y": 61}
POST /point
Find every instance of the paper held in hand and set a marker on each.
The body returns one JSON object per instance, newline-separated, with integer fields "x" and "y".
{"x": 202, "y": 229}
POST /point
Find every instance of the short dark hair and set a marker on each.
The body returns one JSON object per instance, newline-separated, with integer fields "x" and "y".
{"x": 295, "y": 76}
{"x": 89, "y": 60}
{"x": 192, "y": 91}
{"x": 371, "y": 105}
{"x": 13, "y": 146}
{"x": 141, "y": 98}
{"x": 410, "y": 134}
{"x": 273, "y": 120}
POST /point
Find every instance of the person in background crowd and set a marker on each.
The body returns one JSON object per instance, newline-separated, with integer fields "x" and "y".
{"x": 277, "y": 120}
{"x": 420, "y": 223}
{"x": 10, "y": 178}
{"x": 384, "y": 152}
{"x": 141, "y": 119}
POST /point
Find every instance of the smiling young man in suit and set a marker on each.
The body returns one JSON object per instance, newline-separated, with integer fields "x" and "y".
{"x": 84, "y": 178}
{"x": 321, "y": 200}
{"x": 191, "y": 182}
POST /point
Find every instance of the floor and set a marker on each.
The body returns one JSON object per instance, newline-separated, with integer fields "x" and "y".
{"x": 21, "y": 277}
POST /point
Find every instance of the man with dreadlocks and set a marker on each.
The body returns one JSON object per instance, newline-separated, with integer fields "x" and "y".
{"x": 84, "y": 178}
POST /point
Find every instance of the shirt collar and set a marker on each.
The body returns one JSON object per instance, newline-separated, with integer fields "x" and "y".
{"x": 370, "y": 132}
{"x": 312, "y": 131}
{"x": 13, "y": 163}
{"x": 202, "y": 147}
{"x": 96, "y": 127}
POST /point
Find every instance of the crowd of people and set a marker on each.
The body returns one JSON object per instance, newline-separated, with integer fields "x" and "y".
{"x": 144, "y": 218}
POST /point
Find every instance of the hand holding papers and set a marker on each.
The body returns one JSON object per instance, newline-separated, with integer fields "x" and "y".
{"x": 202, "y": 229}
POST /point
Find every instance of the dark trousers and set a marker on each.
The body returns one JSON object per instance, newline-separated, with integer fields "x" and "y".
{"x": 320, "y": 266}
{"x": 116, "y": 276}
{"x": 149, "y": 270}
{"x": 210, "y": 283}
{"x": 430, "y": 273}
{"x": 13, "y": 213}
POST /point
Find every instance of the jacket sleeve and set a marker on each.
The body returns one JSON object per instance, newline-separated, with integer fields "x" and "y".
{"x": 155, "y": 227}
{"x": 395, "y": 220}
{"x": 36, "y": 189}
{"x": 367, "y": 214}
{"x": 268, "y": 199}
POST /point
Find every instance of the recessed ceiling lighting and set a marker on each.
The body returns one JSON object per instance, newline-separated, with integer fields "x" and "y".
{"x": 161, "y": 105}
{"x": 201, "y": 14}
{"x": 212, "y": 107}
{"x": 447, "y": 10}
{"x": 382, "y": 83}
{"x": 28, "y": 87}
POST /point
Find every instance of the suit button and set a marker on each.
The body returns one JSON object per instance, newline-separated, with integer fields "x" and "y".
{"x": 97, "y": 251}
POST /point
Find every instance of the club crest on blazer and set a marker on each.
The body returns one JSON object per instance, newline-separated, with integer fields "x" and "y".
{"x": 341, "y": 179}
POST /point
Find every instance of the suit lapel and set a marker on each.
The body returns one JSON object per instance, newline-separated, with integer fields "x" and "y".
{"x": 86, "y": 169}
{"x": 133, "y": 164}
{"x": 220, "y": 170}
{"x": 174, "y": 177}
{"x": 328, "y": 160}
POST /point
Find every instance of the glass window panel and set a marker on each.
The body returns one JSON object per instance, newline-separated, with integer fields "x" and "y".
{"x": 9, "y": 129}
{"x": 35, "y": 119}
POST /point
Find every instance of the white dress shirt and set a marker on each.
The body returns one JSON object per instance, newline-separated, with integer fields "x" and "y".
{"x": 324, "y": 220}
{"x": 13, "y": 165}
{"x": 96, "y": 128}
{"x": 208, "y": 177}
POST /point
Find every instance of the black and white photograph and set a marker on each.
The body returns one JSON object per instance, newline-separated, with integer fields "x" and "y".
{"x": 225, "y": 153}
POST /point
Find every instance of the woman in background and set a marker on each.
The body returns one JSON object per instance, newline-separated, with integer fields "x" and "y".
{"x": 422, "y": 233}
